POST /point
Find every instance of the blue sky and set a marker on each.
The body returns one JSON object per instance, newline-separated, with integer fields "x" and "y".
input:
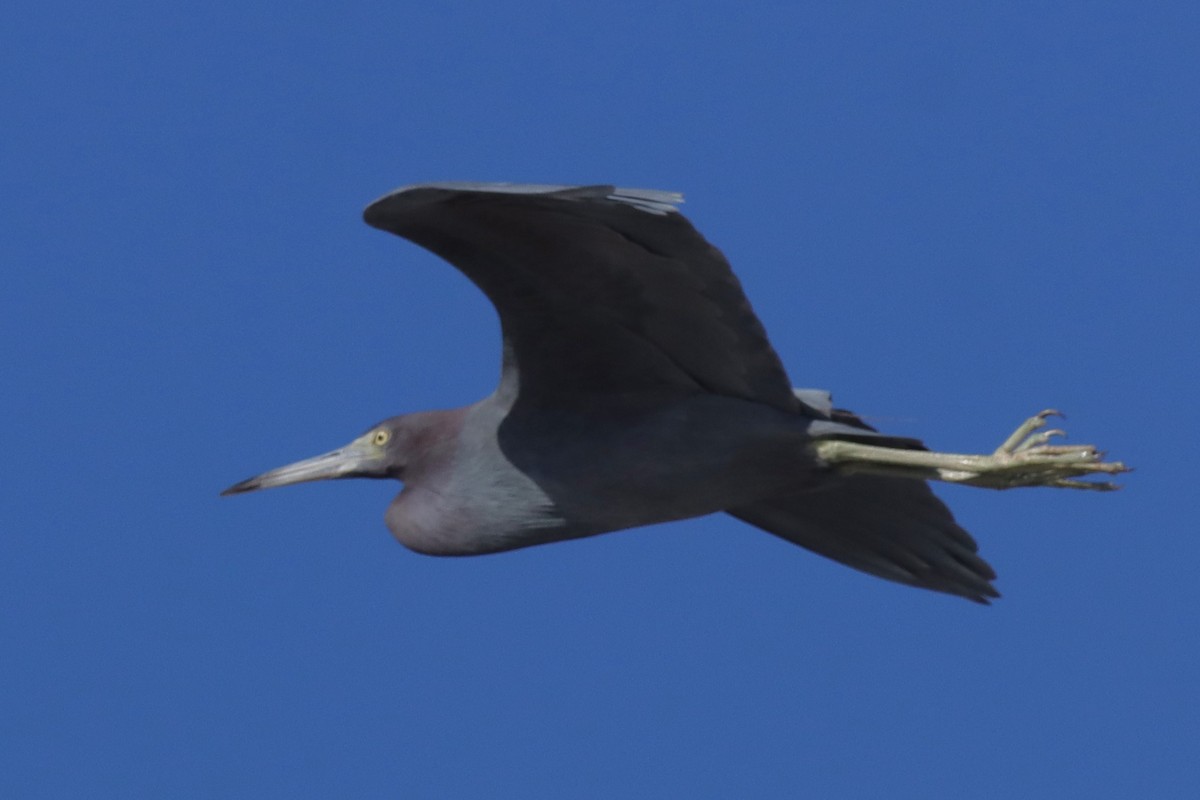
{"x": 952, "y": 215}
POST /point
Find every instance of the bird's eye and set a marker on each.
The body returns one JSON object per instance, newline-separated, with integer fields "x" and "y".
{"x": 380, "y": 438}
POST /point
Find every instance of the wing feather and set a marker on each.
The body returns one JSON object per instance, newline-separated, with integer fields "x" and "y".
{"x": 895, "y": 528}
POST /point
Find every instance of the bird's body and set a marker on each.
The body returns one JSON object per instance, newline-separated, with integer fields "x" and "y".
{"x": 508, "y": 480}
{"x": 637, "y": 387}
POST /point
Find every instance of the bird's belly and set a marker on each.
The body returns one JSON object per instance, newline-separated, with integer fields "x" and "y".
{"x": 686, "y": 459}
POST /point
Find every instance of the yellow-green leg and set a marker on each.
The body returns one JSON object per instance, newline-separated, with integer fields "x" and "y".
{"x": 1024, "y": 459}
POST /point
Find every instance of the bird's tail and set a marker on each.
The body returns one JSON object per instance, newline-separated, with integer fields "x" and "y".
{"x": 895, "y": 528}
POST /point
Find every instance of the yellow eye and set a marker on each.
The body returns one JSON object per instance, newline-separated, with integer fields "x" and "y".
{"x": 380, "y": 437}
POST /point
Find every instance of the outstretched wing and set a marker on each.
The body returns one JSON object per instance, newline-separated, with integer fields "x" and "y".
{"x": 599, "y": 289}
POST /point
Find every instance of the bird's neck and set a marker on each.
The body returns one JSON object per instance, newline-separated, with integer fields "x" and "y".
{"x": 433, "y": 441}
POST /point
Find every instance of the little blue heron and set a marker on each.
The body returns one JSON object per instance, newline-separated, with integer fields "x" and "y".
{"x": 636, "y": 387}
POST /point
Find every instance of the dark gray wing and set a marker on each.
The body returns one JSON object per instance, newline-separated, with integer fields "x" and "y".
{"x": 895, "y": 528}
{"x": 598, "y": 289}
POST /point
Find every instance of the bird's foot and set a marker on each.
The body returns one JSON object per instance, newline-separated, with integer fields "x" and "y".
{"x": 1024, "y": 459}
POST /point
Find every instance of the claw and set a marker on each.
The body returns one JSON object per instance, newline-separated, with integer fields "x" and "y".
{"x": 1039, "y": 439}
{"x": 1024, "y": 430}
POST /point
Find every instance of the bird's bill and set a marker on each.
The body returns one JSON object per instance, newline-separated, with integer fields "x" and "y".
{"x": 356, "y": 458}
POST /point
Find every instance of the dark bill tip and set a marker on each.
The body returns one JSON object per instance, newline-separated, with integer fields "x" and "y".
{"x": 248, "y": 485}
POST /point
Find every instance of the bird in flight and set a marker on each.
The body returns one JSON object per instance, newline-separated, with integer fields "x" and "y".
{"x": 637, "y": 386}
